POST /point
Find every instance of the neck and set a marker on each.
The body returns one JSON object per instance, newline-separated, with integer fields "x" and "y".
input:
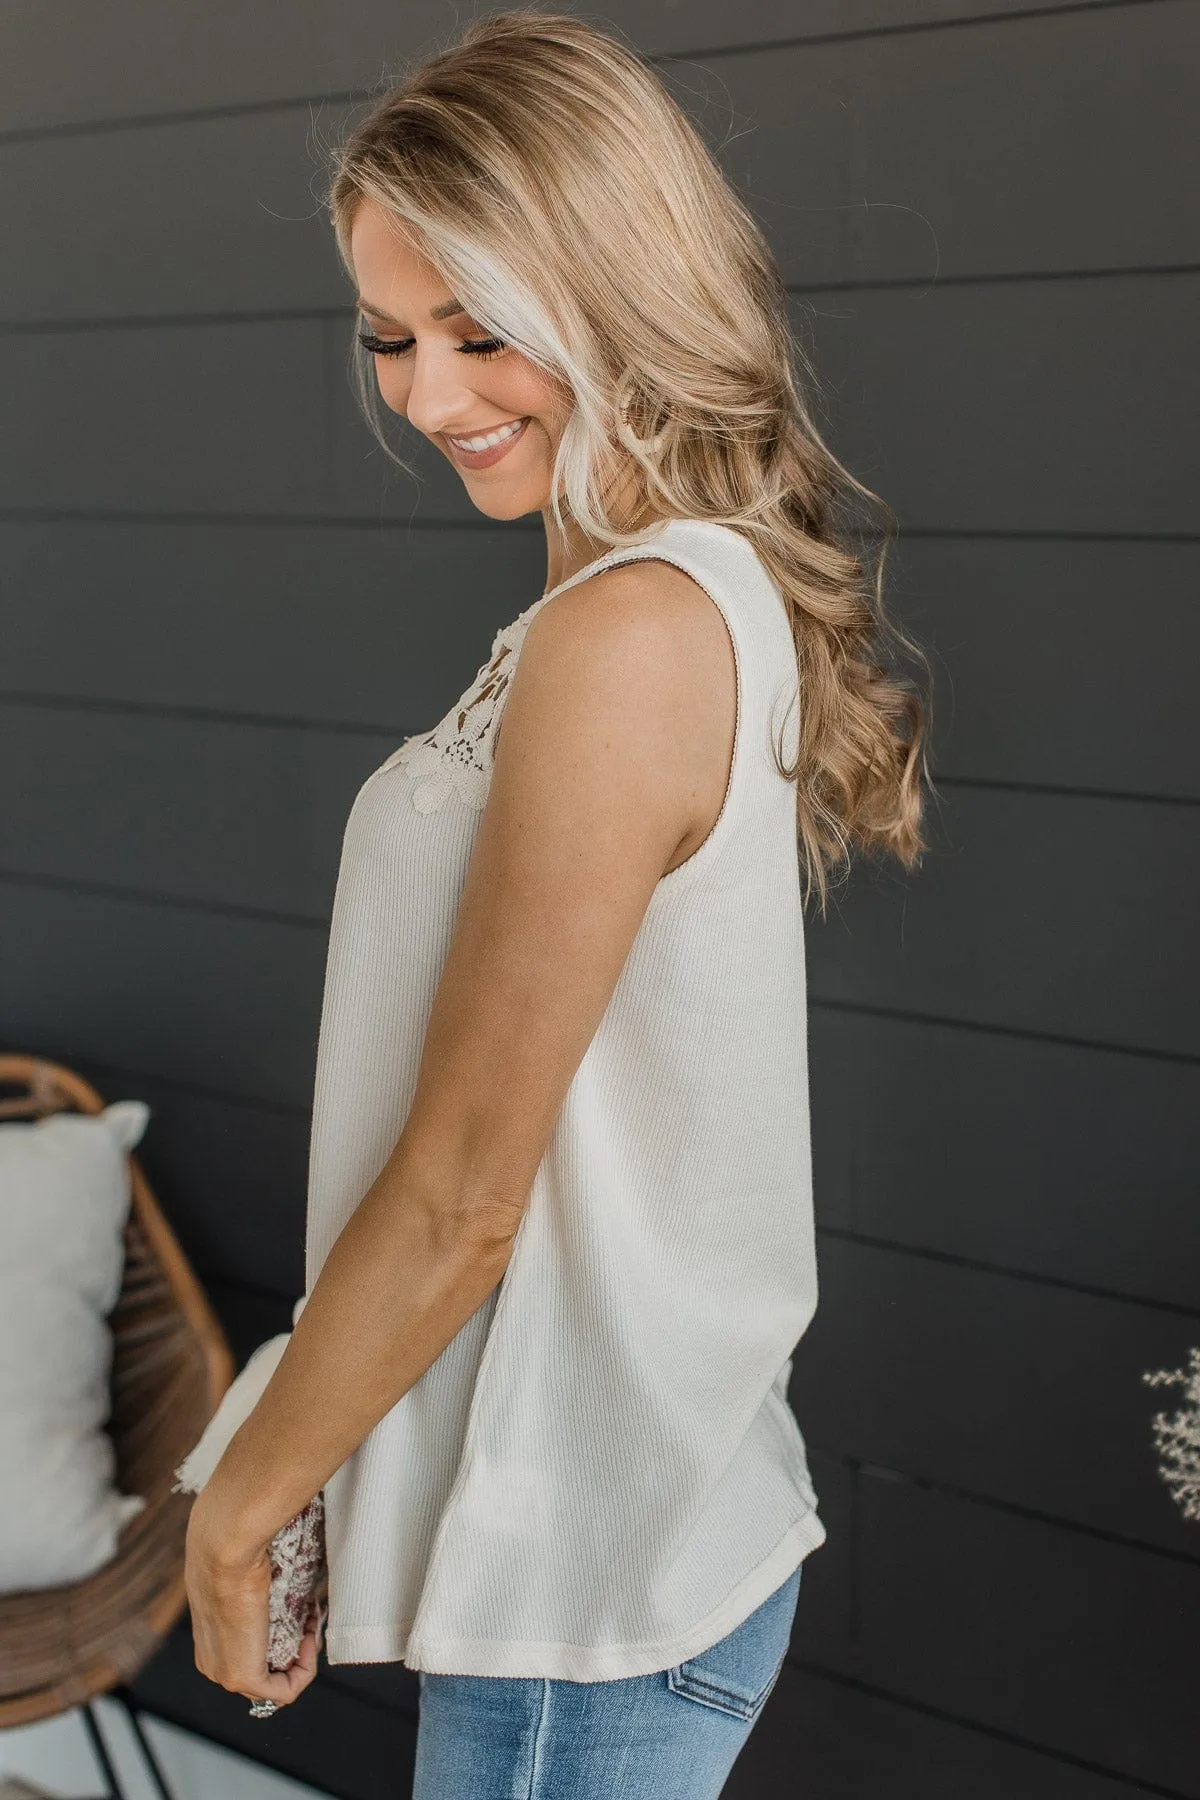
{"x": 568, "y": 552}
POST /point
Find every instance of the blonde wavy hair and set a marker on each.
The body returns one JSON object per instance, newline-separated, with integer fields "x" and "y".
{"x": 577, "y": 214}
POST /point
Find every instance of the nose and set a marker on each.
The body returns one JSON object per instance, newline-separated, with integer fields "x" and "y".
{"x": 437, "y": 394}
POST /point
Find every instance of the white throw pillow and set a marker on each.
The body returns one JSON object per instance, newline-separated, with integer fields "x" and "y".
{"x": 64, "y": 1200}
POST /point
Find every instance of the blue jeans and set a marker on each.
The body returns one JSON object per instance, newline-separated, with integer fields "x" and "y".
{"x": 672, "y": 1735}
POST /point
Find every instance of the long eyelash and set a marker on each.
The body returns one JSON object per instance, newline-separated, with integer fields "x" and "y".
{"x": 382, "y": 347}
{"x": 482, "y": 347}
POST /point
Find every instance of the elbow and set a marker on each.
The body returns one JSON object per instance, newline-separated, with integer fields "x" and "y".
{"x": 489, "y": 1229}
{"x": 482, "y": 1231}
{"x": 471, "y": 1211}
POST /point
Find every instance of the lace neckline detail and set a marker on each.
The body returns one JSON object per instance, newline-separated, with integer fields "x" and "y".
{"x": 455, "y": 756}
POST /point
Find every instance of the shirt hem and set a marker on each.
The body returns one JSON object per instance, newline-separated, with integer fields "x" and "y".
{"x": 579, "y": 1662}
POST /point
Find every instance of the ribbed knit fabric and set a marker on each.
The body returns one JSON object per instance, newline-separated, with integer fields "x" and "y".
{"x": 601, "y": 1474}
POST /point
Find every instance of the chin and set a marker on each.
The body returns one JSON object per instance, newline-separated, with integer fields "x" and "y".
{"x": 511, "y": 505}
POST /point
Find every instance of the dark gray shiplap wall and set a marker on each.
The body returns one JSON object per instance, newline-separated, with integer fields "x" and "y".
{"x": 220, "y": 610}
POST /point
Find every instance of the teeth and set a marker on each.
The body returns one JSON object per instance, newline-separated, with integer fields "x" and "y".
{"x": 488, "y": 439}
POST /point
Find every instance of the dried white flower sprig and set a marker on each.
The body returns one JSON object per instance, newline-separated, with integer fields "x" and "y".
{"x": 1177, "y": 1437}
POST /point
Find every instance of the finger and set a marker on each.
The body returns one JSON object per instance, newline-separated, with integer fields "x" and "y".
{"x": 304, "y": 1668}
{"x": 264, "y": 1685}
{"x": 299, "y": 1672}
{"x": 285, "y": 1688}
{"x": 299, "y": 1677}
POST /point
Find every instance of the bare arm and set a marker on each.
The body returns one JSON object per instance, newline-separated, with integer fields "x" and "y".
{"x": 610, "y": 768}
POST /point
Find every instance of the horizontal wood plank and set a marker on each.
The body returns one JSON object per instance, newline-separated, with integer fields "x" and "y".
{"x": 227, "y": 1004}
{"x": 1036, "y": 406}
{"x": 1020, "y": 918}
{"x": 189, "y": 809}
{"x": 191, "y": 216}
{"x": 1078, "y": 1165}
{"x": 1061, "y": 1639}
{"x": 818, "y": 1736}
{"x": 142, "y": 60}
{"x": 1039, "y": 675}
{"x": 212, "y": 418}
{"x": 978, "y": 152}
{"x": 344, "y": 624}
{"x": 1007, "y": 1389}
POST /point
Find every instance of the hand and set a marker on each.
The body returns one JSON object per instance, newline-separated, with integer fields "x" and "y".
{"x": 228, "y": 1581}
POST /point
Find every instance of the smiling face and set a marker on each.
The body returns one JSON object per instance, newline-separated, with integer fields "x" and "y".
{"x": 438, "y": 368}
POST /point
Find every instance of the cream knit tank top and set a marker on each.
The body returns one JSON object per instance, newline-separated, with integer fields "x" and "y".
{"x": 600, "y": 1475}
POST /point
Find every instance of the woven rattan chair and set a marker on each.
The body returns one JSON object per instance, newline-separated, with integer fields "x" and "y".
{"x": 62, "y": 1647}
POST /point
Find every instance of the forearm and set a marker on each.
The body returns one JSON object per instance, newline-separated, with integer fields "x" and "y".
{"x": 399, "y": 1283}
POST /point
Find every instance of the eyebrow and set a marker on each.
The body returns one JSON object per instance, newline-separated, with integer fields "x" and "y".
{"x": 449, "y": 309}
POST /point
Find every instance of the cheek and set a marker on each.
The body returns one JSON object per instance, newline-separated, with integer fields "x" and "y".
{"x": 393, "y": 379}
{"x": 522, "y": 389}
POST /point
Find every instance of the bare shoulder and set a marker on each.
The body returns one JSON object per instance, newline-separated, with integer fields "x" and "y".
{"x": 624, "y": 697}
{"x": 635, "y": 599}
{"x": 642, "y": 635}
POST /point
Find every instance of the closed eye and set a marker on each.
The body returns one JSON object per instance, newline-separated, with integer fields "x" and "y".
{"x": 400, "y": 346}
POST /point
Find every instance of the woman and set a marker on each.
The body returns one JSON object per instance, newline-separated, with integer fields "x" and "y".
{"x": 560, "y": 1242}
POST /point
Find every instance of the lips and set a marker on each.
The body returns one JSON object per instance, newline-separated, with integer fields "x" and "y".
{"x": 483, "y": 459}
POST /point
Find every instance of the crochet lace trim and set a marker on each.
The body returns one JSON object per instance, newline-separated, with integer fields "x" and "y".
{"x": 455, "y": 757}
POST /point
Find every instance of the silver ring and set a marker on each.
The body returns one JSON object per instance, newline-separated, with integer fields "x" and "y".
{"x": 262, "y": 1709}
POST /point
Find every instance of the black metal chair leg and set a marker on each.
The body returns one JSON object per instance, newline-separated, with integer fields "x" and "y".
{"x": 149, "y": 1758}
{"x": 100, "y": 1752}
{"x": 100, "y": 1748}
